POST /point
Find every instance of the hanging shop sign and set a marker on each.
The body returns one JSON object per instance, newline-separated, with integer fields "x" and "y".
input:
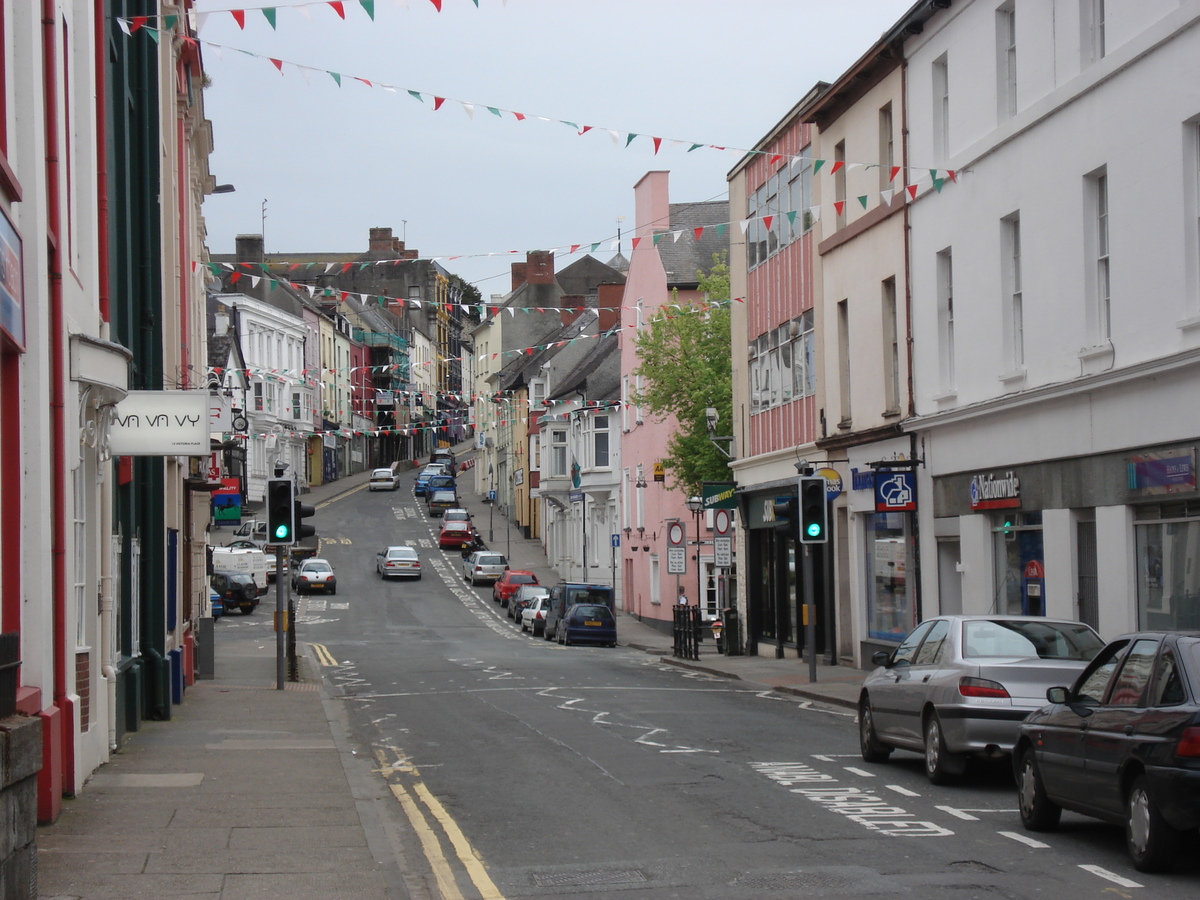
{"x": 895, "y": 490}
{"x": 990, "y": 492}
{"x": 660, "y": 472}
{"x": 833, "y": 482}
{"x": 161, "y": 423}
{"x": 718, "y": 495}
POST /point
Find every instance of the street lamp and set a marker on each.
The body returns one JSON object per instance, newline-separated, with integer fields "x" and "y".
{"x": 695, "y": 504}
{"x": 491, "y": 499}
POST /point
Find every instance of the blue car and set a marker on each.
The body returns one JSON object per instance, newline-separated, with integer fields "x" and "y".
{"x": 216, "y": 603}
{"x": 421, "y": 488}
{"x": 588, "y": 623}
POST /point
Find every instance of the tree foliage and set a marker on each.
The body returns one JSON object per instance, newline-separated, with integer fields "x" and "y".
{"x": 685, "y": 368}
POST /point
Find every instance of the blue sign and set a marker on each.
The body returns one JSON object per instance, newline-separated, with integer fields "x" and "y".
{"x": 575, "y": 496}
{"x": 616, "y": 541}
{"x": 491, "y": 496}
{"x": 895, "y": 490}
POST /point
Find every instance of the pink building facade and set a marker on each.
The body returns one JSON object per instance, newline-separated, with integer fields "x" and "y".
{"x": 649, "y": 506}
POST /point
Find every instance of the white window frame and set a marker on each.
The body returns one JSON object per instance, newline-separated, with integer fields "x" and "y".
{"x": 891, "y": 346}
{"x": 558, "y": 451}
{"x": 945, "y": 301}
{"x": 887, "y": 146}
{"x": 601, "y": 424}
{"x": 941, "y": 108}
{"x": 1099, "y": 275}
{"x": 1011, "y": 284}
{"x": 1006, "y": 61}
{"x": 843, "y": 339}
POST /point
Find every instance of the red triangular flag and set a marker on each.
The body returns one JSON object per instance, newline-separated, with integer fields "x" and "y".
{"x": 912, "y": 191}
{"x": 437, "y": 4}
{"x": 895, "y": 172}
{"x": 137, "y": 22}
{"x": 838, "y": 206}
{"x": 698, "y": 231}
{"x": 837, "y": 165}
{"x": 520, "y": 116}
{"x": 636, "y": 241}
{"x": 239, "y": 16}
{"x": 774, "y": 159}
{"x": 585, "y": 129}
{"x": 767, "y": 220}
{"x": 277, "y": 63}
{"x": 657, "y": 144}
{"x": 338, "y": 7}
{"x": 575, "y": 247}
{"x": 953, "y": 176}
{"x": 437, "y": 102}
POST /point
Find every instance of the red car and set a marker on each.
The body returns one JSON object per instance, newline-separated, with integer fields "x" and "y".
{"x": 456, "y": 534}
{"x": 508, "y": 584}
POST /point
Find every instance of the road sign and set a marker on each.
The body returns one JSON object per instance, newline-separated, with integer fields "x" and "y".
{"x": 676, "y": 549}
{"x": 616, "y": 541}
{"x": 491, "y": 496}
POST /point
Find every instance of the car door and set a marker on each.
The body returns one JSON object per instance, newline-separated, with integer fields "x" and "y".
{"x": 1061, "y": 742}
{"x": 1111, "y": 729}
{"x": 888, "y": 687}
{"x": 920, "y": 680}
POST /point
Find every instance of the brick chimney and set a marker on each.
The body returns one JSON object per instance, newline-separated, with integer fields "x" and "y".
{"x": 608, "y": 299}
{"x": 571, "y": 308}
{"x": 540, "y": 267}
{"x": 381, "y": 241}
{"x": 249, "y": 248}
{"x": 518, "y": 274}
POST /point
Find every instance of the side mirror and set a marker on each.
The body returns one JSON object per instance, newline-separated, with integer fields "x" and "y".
{"x": 1057, "y": 695}
{"x": 881, "y": 657}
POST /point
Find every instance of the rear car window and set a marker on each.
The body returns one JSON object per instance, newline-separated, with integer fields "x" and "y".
{"x": 522, "y": 579}
{"x": 491, "y": 559}
{"x": 593, "y": 612}
{"x": 1046, "y": 640}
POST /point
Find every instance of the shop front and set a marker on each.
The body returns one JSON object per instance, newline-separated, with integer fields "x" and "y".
{"x": 1111, "y": 539}
{"x": 774, "y": 578}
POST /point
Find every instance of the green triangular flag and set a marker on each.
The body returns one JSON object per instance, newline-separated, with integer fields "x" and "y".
{"x": 595, "y": 246}
{"x": 169, "y": 22}
{"x": 694, "y": 147}
{"x": 938, "y": 182}
{"x": 491, "y": 109}
{"x": 721, "y": 229}
{"x": 863, "y": 201}
{"x": 269, "y": 12}
{"x": 629, "y": 138}
{"x": 569, "y": 124}
{"x": 817, "y": 163}
{"x": 336, "y": 77}
{"x": 791, "y": 217}
{"x": 657, "y": 238}
{"x": 416, "y": 94}
{"x": 369, "y": 7}
{"x": 153, "y": 32}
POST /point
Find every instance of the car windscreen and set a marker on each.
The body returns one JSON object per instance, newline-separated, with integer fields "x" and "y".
{"x": 1024, "y": 638}
{"x": 590, "y": 595}
{"x": 443, "y": 497}
{"x": 319, "y": 568}
{"x": 522, "y": 579}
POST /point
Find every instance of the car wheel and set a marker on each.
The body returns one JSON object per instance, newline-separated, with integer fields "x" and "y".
{"x": 1153, "y": 844}
{"x": 869, "y": 745}
{"x": 1038, "y": 812}
{"x": 941, "y": 766}
{"x": 547, "y": 635}
{"x": 248, "y": 608}
{"x": 333, "y": 590}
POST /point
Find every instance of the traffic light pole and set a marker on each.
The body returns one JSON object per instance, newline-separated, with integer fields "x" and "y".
{"x": 280, "y": 621}
{"x": 810, "y": 617}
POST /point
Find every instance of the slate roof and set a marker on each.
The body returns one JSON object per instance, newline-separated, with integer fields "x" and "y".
{"x": 682, "y": 258}
{"x": 598, "y": 374}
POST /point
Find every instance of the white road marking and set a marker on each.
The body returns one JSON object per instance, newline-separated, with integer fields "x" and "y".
{"x": 1111, "y": 876}
{"x": 339, "y": 605}
{"x": 830, "y": 757}
{"x": 958, "y": 813}
{"x": 1021, "y": 839}
{"x": 861, "y": 773}
{"x": 316, "y": 605}
{"x": 902, "y": 791}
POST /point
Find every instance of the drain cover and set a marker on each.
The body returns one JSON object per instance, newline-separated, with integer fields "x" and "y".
{"x": 589, "y": 879}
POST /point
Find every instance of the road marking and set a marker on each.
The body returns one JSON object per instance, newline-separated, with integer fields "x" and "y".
{"x": 324, "y": 657}
{"x": 1111, "y": 876}
{"x": 466, "y": 853}
{"x": 316, "y": 605}
{"x": 902, "y": 791}
{"x": 1021, "y": 839}
{"x": 958, "y": 813}
{"x": 339, "y": 605}
{"x": 830, "y": 757}
{"x": 429, "y": 844}
{"x": 861, "y": 773}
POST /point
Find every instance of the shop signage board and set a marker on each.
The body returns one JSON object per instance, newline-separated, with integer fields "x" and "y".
{"x": 722, "y": 539}
{"x": 161, "y": 423}
{"x": 990, "y": 492}
{"x": 895, "y": 490}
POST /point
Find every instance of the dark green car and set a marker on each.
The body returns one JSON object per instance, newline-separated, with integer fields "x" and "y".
{"x": 440, "y": 501}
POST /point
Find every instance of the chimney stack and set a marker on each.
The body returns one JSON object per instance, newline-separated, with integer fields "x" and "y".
{"x": 608, "y": 299}
{"x": 249, "y": 248}
{"x": 518, "y": 274}
{"x": 540, "y": 267}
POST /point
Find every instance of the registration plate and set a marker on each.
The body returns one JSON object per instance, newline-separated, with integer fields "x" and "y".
{"x": 592, "y": 624}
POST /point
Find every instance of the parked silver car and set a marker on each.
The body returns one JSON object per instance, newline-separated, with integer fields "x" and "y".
{"x": 961, "y": 685}
{"x": 485, "y": 566}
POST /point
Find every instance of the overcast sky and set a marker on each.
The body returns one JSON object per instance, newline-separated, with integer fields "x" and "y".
{"x": 332, "y": 162}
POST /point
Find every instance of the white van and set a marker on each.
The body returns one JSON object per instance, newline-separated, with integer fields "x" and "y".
{"x": 233, "y": 559}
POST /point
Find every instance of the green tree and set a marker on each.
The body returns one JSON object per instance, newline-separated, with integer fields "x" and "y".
{"x": 685, "y": 368}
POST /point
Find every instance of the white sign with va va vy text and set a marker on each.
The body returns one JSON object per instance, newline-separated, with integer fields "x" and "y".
{"x": 160, "y": 423}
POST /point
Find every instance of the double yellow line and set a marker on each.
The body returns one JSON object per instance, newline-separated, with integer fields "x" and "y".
{"x": 324, "y": 657}
{"x": 426, "y": 815}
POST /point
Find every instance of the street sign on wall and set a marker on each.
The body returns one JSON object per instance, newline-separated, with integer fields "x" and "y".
{"x": 722, "y": 539}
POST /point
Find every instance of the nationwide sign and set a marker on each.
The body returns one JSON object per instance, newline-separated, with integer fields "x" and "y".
{"x": 161, "y": 423}
{"x": 989, "y": 492}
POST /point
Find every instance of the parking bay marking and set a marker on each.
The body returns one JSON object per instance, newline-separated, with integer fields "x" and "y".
{"x": 1111, "y": 876}
{"x": 1022, "y": 839}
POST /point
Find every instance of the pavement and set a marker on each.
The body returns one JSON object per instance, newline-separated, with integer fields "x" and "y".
{"x": 251, "y": 792}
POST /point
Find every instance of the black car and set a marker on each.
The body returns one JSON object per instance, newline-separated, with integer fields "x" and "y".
{"x": 1122, "y": 745}
{"x": 237, "y": 590}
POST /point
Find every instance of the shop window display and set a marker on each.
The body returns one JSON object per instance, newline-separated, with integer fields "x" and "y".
{"x": 891, "y": 613}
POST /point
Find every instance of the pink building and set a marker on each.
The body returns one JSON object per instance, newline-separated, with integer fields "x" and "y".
{"x": 656, "y": 271}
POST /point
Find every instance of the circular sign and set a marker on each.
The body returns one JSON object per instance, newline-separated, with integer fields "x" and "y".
{"x": 675, "y": 533}
{"x": 239, "y": 423}
{"x": 721, "y": 521}
{"x": 833, "y": 482}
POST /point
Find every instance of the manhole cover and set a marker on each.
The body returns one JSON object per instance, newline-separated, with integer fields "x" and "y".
{"x": 589, "y": 879}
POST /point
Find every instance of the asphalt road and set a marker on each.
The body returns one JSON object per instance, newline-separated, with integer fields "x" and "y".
{"x": 513, "y": 767}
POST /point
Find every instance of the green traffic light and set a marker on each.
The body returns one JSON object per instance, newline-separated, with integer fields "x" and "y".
{"x": 814, "y": 530}
{"x": 281, "y": 531}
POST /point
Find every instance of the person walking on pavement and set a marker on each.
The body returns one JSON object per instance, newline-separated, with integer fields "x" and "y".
{"x": 683, "y": 600}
